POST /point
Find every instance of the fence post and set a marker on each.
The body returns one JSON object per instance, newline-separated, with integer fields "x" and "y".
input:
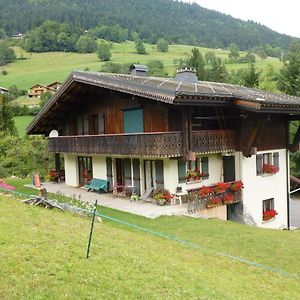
{"x": 91, "y": 231}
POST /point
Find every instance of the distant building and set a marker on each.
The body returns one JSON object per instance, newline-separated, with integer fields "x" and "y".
{"x": 3, "y": 90}
{"x": 38, "y": 89}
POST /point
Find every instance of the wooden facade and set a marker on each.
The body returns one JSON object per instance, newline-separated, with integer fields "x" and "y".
{"x": 174, "y": 131}
{"x": 164, "y": 144}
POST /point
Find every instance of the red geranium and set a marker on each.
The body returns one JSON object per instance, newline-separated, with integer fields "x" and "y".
{"x": 216, "y": 200}
{"x": 270, "y": 169}
{"x": 228, "y": 198}
{"x": 221, "y": 187}
{"x": 269, "y": 214}
{"x": 204, "y": 191}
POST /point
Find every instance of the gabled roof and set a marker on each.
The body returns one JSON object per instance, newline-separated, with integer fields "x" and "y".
{"x": 174, "y": 92}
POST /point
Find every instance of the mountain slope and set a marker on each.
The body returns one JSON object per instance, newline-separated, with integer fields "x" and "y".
{"x": 176, "y": 21}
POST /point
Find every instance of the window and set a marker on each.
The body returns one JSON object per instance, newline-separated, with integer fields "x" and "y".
{"x": 268, "y": 211}
{"x": 267, "y": 163}
{"x": 201, "y": 164}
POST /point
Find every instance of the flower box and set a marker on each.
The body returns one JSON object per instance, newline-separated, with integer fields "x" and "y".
{"x": 269, "y": 214}
{"x": 269, "y": 169}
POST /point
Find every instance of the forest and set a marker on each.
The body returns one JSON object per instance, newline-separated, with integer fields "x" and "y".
{"x": 178, "y": 22}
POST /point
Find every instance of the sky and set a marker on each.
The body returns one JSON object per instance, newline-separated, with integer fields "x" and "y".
{"x": 281, "y": 16}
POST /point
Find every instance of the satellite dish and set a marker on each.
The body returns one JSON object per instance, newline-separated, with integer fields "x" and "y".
{"x": 53, "y": 133}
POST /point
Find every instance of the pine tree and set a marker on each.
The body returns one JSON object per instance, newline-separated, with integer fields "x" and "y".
{"x": 197, "y": 61}
{"x": 289, "y": 79}
{"x": 250, "y": 76}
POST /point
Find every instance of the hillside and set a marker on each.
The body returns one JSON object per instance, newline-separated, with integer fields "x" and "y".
{"x": 126, "y": 263}
{"x": 48, "y": 67}
{"x": 181, "y": 23}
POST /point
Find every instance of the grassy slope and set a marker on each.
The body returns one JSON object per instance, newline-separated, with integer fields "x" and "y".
{"x": 21, "y": 123}
{"x": 130, "y": 264}
{"x": 48, "y": 67}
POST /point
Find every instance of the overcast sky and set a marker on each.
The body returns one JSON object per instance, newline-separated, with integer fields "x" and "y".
{"x": 281, "y": 16}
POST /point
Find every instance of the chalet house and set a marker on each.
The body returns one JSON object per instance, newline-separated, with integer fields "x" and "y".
{"x": 38, "y": 89}
{"x": 144, "y": 132}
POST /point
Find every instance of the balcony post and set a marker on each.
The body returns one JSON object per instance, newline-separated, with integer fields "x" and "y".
{"x": 186, "y": 132}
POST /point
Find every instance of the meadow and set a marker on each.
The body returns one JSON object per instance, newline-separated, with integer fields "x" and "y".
{"x": 43, "y": 257}
{"x": 45, "y": 68}
{"x": 21, "y": 123}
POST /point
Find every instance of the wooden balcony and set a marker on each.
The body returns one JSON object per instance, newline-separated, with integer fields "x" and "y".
{"x": 161, "y": 144}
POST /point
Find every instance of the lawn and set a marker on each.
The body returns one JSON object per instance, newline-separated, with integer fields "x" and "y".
{"x": 45, "y": 68}
{"x": 43, "y": 257}
{"x": 21, "y": 123}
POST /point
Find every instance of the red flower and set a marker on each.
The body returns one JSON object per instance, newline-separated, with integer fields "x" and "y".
{"x": 269, "y": 214}
{"x": 221, "y": 187}
{"x": 236, "y": 186}
{"x": 228, "y": 198}
{"x": 216, "y": 200}
{"x": 204, "y": 191}
{"x": 270, "y": 169}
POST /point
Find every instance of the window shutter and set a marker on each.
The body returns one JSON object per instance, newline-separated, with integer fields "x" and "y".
{"x": 127, "y": 172}
{"x": 85, "y": 124}
{"x": 276, "y": 160}
{"x": 259, "y": 164}
{"x": 100, "y": 123}
{"x": 159, "y": 173}
{"x": 181, "y": 170}
{"x": 204, "y": 167}
{"x": 109, "y": 173}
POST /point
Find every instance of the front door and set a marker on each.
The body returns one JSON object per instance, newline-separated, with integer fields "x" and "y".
{"x": 120, "y": 172}
{"x": 136, "y": 176}
{"x": 229, "y": 168}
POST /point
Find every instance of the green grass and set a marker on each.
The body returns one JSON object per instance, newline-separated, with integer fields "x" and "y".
{"x": 56, "y": 66}
{"x": 42, "y": 257}
{"x": 21, "y": 123}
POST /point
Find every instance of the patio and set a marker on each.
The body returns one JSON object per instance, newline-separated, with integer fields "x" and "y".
{"x": 142, "y": 208}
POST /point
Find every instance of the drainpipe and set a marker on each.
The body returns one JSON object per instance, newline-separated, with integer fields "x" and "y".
{"x": 288, "y": 188}
{"x": 287, "y": 173}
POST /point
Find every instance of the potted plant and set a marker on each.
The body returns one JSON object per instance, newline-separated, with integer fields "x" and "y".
{"x": 162, "y": 196}
{"x": 192, "y": 175}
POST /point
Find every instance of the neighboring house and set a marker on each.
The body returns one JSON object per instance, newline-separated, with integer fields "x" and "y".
{"x": 148, "y": 132}
{"x": 38, "y": 89}
{"x": 54, "y": 85}
{"x": 3, "y": 90}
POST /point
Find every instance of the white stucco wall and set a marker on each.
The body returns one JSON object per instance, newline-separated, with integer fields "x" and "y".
{"x": 71, "y": 169}
{"x": 99, "y": 167}
{"x": 262, "y": 187}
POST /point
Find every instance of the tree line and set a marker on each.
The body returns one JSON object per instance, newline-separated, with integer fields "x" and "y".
{"x": 177, "y": 22}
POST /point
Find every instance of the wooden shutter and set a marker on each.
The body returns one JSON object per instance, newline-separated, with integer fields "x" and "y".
{"x": 204, "y": 167}
{"x": 85, "y": 124}
{"x": 159, "y": 173}
{"x": 100, "y": 123}
{"x": 109, "y": 172}
{"x": 276, "y": 160}
{"x": 181, "y": 170}
{"x": 259, "y": 164}
{"x": 133, "y": 121}
{"x": 136, "y": 176}
{"x": 127, "y": 172}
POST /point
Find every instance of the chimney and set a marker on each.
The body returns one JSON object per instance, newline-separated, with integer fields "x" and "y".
{"x": 138, "y": 70}
{"x": 187, "y": 75}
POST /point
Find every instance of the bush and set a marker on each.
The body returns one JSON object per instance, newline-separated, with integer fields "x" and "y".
{"x": 162, "y": 45}
{"x": 103, "y": 51}
{"x": 4, "y": 72}
{"x": 140, "y": 48}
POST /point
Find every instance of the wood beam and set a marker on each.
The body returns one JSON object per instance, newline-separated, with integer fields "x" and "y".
{"x": 253, "y": 137}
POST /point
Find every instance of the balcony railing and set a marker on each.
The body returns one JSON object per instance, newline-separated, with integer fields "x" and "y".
{"x": 161, "y": 144}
